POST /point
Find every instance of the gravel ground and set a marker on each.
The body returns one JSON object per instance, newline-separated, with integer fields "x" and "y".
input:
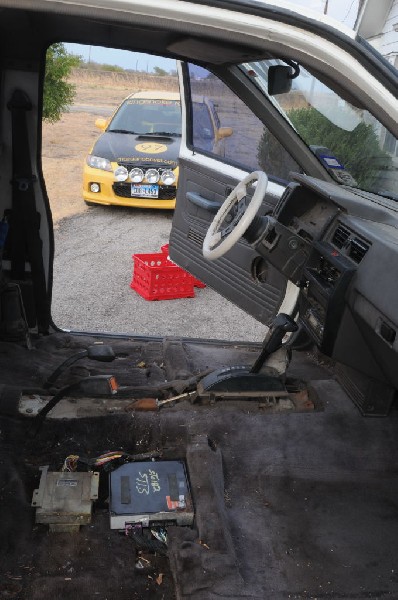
{"x": 93, "y": 270}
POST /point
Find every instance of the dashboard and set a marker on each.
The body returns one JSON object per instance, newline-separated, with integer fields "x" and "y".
{"x": 340, "y": 247}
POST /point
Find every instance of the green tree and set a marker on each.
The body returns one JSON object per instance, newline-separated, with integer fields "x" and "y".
{"x": 160, "y": 72}
{"x": 111, "y": 68}
{"x": 358, "y": 150}
{"x": 58, "y": 92}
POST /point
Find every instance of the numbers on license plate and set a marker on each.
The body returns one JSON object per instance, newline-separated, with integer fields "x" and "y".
{"x": 145, "y": 191}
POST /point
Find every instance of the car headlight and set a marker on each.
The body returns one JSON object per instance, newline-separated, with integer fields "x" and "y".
{"x": 96, "y": 162}
{"x": 168, "y": 177}
{"x": 152, "y": 176}
{"x": 121, "y": 174}
{"x": 136, "y": 175}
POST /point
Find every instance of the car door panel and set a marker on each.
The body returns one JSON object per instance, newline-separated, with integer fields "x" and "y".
{"x": 201, "y": 190}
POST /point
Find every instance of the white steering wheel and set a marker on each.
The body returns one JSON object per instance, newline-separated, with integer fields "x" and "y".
{"x": 220, "y": 236}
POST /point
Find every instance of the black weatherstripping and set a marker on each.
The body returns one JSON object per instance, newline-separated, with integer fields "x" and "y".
{"x": 25, "y": 216}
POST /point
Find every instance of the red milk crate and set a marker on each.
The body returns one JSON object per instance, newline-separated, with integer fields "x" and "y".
{"x": 157, "y": 278}
{"x": 196, "y": 282}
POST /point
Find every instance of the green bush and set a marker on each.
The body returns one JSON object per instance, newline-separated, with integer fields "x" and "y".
{"x": 159, "y": 72}
{"x": 358, "y": 150}
{"x": 58, "y": 93}
{"x": 273, "y": 158}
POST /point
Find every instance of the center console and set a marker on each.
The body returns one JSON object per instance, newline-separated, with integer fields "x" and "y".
{"x": 325, "y": 279}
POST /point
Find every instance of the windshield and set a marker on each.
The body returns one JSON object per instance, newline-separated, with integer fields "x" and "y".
{"x": 148, "y": 116}
{"x": 351, "y": 144}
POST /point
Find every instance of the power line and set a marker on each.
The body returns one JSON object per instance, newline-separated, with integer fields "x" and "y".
{"x": 349, "y": 10}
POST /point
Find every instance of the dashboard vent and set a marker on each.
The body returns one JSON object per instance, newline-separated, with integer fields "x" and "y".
{"x": 350, "y": 244}
{"x": 340, "y": 236}
{"x": 357, "y": 250}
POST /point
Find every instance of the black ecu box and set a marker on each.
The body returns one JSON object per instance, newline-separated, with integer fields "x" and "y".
{"x": 147, "y": 493}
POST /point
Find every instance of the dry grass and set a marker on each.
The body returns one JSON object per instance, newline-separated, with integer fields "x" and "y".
{"x": 67, "y": 142}
{"x": 65, "y": 145}
{"x": 110, "y": 83}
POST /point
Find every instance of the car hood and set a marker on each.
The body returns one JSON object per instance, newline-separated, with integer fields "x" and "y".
{"x": 141, "y": 149}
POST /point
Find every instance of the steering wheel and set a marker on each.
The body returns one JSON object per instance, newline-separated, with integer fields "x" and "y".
{"x": 221, "y": 237}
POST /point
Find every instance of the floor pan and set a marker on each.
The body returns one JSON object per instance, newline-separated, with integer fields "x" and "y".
{"x": 287, "y": 504}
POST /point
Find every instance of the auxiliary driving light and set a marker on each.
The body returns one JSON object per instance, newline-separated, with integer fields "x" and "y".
{"x": 121, "y": 174}
{"x": 136, "y": 175}
{"x": 168, "y": 177}
{"x": 152, "y": 176}
{"x": 95, "y": 188}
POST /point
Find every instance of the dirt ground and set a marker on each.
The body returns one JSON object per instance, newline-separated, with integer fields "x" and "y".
{"x": 67, "y": 142}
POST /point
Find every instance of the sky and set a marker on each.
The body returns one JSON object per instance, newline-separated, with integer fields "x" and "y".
{"x": 344, "y": 11}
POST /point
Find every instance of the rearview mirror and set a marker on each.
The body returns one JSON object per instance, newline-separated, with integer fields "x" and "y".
{"x": 280, "y": 78}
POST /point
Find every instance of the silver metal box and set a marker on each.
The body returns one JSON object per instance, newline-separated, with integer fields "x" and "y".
{"x": 64, "y": 499}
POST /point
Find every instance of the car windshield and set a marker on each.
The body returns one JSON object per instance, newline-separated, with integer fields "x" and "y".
{"x": 355, "y": 148}
{"x": 148, "y": 116}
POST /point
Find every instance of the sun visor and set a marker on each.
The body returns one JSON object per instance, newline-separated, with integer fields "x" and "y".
{"x": 213, "y": 53}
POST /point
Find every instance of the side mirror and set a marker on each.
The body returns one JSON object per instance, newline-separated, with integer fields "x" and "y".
{"x": 101, "y": 123}
{"x": 224, "y": 132}
{"x": 280, "y": 78}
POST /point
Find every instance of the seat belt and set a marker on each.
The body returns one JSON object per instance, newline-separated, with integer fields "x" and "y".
{"x": 26, "y": 220}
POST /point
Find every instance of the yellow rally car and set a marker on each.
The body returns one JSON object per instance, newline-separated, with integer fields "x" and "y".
{"x": 135, "y": 161}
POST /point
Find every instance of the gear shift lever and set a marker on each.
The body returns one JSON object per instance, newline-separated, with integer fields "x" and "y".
{"x": 273, "y": 340}
{"x": 241, "y": 382}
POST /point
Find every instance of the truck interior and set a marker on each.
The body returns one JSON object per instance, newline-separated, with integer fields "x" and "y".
{"x": 149, "y": 467}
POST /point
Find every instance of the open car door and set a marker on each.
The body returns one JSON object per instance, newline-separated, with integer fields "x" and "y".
{"x": 223, "y": 142}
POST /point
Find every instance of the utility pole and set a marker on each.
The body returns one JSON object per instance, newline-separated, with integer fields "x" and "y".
{"x": 325, "y": 10}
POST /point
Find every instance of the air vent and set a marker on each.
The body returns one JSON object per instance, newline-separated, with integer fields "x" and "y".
{"x": 196, "y": 237}
{"x": 340, "y": 236}
{"x": 357, "y": 249}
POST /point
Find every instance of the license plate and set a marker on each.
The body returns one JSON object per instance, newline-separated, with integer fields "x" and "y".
{"x": 145, "y": 191}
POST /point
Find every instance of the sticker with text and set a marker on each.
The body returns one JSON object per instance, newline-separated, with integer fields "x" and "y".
{"x": 148, "y": 482}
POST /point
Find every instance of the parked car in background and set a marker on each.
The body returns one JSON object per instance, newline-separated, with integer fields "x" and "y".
{"x": 135, "y": 161}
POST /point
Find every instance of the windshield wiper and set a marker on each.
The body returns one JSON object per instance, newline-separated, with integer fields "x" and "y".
{"x": 161, "y": 133}
{"x": 122, "y": 131}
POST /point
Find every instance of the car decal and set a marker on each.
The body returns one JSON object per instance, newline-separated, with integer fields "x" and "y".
{"x": 119, "y": 147}
{"x": 151, "y": 148}
{"x": 146, "y": 159}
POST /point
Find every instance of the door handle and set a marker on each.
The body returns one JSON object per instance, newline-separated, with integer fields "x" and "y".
{"x": 202, "y": 202}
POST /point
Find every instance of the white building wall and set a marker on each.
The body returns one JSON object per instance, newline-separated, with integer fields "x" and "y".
{"x": 389, "y": 36}
{"x": 378, "y": 23}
